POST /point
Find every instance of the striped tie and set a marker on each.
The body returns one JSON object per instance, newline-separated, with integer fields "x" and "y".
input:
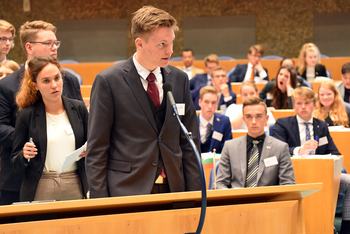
{"x": 308, "y": 136}
{"x": 253, "y": 166}
{"x": 209, "y": 132}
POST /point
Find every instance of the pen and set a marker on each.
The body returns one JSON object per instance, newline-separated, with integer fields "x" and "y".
{"x": 30, "y": 141}
{"x": 316, "y": 138}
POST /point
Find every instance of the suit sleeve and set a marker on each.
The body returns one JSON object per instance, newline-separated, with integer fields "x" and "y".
{"x": 280, "y": 133}
{"x": 322, "y": 70}
{"x": 99, "y": 137}
{"x": 286, "y": 171}
{"x": 223, "y": 179}
{"x": 267, "y": 76}
{"x": 235, "y": 77}
{"x": 7, "y": 131}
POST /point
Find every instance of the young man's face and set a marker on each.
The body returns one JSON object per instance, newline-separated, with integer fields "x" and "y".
{"x": 304, "y": 108}
{"x": 5, "y": 47}
{"x": 209, "y": 67}
{"x": 208, "y": 103}
{"x": 219, "y": 78}
{"x": 187, "y": 58}
{"x": 39, "y": 49}
{"x": 255, "y": 118}
{"x": 254, "y": 57}
{"x": 155, "y": 48}
{"x": 248, "y": 91}
{"x": 346, "y": 80}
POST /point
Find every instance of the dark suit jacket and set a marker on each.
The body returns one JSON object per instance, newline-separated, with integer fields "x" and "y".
{"x": 221, "y": 125}
{"x": 31, "y": 122}
{"x": 199, "y": 80}
{"x": 8, "y": 109}
{"x": 240, "y": 71}
{"x": 287, "y": 130}
{"x": 124, "y": 141}
{"x": 320, "y": 70}
{"x": 195, "y": 98}
{"x": 232, "y": 170}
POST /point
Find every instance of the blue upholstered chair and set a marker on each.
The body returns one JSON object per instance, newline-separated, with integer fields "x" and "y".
{"x": 173, "y": 59}
{"x": 226, "y": 58}
{"x": 272, "y": 56}
{"x": 80, "y": 80}
{"x": 68, "y": 61}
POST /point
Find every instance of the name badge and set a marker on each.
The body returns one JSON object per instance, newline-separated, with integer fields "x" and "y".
{"x": 68, "y": 129}
{"x": 323, "y": 141}
{"x": 180, "y": 108}
{"x": 217, "y": 136}
{"x": 271, "y": 161}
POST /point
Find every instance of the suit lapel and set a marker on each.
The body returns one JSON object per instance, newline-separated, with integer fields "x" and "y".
{"x": 216, "y": 127}
{"x": 264, "y": 154}
{"x": 41, "y": 127}
{"x": 316, "y": 126}
{"x": 75, "y": 121}
{"x": 200, "y": 138}
{"x": 242, "y": 154}
{"x": 132, "y": 78}
{"x": 168, "y": 78}
{"x": 295, "y": 128}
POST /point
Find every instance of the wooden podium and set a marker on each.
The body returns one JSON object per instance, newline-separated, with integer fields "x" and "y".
{"x": 275, "y": 209}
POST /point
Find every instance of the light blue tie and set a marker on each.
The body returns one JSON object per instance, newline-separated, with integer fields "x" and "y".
{"x": 308, "y": 136}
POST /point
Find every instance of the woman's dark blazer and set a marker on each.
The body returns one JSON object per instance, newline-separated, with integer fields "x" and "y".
{"x": 31, "y": 122}
{"x": 320, "y": 70}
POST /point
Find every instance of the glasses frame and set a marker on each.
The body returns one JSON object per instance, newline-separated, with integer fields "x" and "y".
{"x": 48, "y": 44}
{"x": 5, "y": 39}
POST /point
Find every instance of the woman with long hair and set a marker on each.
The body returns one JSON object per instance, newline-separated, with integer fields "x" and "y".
{"x": 48, "y": 127}
{"x": 309, "y": 62}
{"x": 329, "y": 106}
{"x": 277, "y": 93}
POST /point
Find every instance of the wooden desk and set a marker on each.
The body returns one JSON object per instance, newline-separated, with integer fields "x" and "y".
{"x": 85, "y": 90}
{"x": 275, "y": 209}
{"x": 316, "y": 85}
{"x": 283, "y": 113}
{"x": 341, "y": 140}
{"x": 235, "y": 86}
{"x": 319, "y": 209}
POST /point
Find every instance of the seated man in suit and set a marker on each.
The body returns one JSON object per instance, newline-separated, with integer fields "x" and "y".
{"x": 219, "y": 82}
{"x": 188, "y": 58}
{"x": 253, "y": 71}
{"x": 307, "y": 135}
{"x": 200, "y": 80}
{"x": 214, "y": 128}
{"x": 344, "y": 85}
{"x": 255, "y": 159}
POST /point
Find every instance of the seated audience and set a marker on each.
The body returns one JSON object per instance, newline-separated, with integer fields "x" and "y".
{"x": 344, "y": 85}
{"x": 309, "y": 60}
{"x": 278, "y": 94}
{"x": 200, "y": 80}
{"x": 7, "y": 67}
{"x": 330, "y": 107}
{"x": 187, "y": 57}
{"x": 214, "y": 128}
{"x": 307, "y": 135}
{"x": 241, "y": 158}
{"x": 300, "y": 80}
{"x": 252, "y": 71}
{"x": 219, "y": 82}
{"x": 46, "y": 122}
{"x": 234, "y": 111}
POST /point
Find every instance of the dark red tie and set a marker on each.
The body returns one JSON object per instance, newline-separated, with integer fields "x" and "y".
{"x": 152, "y": 90}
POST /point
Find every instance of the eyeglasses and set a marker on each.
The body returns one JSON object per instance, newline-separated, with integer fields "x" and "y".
{"x": 220, "y": 77}
{"x": 48, "y": 44}
{"x": 5, "y": 39}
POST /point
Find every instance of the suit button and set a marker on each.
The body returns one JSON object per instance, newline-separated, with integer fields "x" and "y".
{"x": 159, "y": 139}
{"x": 154, "y": 163}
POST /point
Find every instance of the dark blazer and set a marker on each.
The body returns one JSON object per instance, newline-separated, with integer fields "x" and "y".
{"x": 9, "y": 86}
{"x": 195, "y": 98}
{"x": 287, "y": 130}
{"x": 199, "y": 80}
{"x": 240, "y": 71}
{"x": 124, "y": 142}
{"x": 232, "y": 170}
{"x": 221, "y": 125}
{"x": 320, "y": 70}
{"x": 31, "y": 122}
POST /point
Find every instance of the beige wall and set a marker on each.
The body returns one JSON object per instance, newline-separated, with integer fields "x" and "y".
{"x": 281, "y": 26}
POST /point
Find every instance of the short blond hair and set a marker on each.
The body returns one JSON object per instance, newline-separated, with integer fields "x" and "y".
{"x": 10, "y": 64}
{"x": 251, "y": 101}
{"x": 29, "y": 30}
{"x": 217, "y": 68}
{"x": 248, "y": 83}
{"x": 6, "y": 26}
{"x": 304, "y": 93}
{"x": 148, "y": 18}
{"x": 207, "y": 89}
{"x": 258, "y": 48}
{"x": 211, "y": 58}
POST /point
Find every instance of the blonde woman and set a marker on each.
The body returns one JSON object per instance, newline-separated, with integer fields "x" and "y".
{"x": 309, "y": 62}
{"x": 330, "y": 107}
{"x": 7, "y": 67}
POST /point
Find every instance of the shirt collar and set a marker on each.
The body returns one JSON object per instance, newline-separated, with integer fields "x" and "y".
{"x": 301, "y": 121}
{"x": 260, "y": 138}
{"x": 250, "y": 66}
{"x": 204, "y": 122}
{"x": 187, "y": 68}
{"x": 143, "y": 72}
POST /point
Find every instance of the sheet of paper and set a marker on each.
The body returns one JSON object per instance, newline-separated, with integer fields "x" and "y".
{"x": 71, "y": 158}
{"x": 317, "y": 156}
{"x": 210, "y": 155}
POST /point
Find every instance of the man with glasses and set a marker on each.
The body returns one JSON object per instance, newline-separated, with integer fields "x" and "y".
{"x": 252, "y": 71}
{"x": 7, "y": 37}
{"x": 219, "y": 81}
{"x": 37, "y": 39}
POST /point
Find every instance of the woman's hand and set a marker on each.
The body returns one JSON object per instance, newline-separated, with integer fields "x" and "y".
{"x": 83, "y": 154}
{"x": 29, "y": 150}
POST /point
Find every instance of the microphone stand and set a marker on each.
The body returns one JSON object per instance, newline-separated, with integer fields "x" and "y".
{"x": 201, "y": 171}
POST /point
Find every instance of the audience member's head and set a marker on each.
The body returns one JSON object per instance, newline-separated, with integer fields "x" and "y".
{"x": 287, "y": 61}
{"x": 304, "y": 102}
{"x": 345, "y": 75}
{"x": 309, "y": 56}
{"x": 33, "y": 86}
{"x": 208, "y": 101}
{"x": 255, "y": 116}
{"x": 211, "y": 61}
{"x": 218, "y": 76}
{"x": 248, "y": 89}
{"x": 330, "y": 103}
{"x": 7, "y": 35}
{"x": 255, "y": 53}
{"x": 153, "y": 31}
{"x": 187, "y": 57}
{"x": 38, "y": 38}
{"x": 7, "y": 67}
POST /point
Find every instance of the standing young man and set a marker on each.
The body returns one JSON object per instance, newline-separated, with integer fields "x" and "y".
{"x": 135, "y": 145}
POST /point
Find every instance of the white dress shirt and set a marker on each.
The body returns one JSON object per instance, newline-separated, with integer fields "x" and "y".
{"x": 188, "y": 71}
{"x": 203, "y": 126}
{"x": 302, "y": 133}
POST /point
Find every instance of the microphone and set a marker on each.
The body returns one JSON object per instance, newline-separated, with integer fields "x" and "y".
{"x": 167, "y": 90}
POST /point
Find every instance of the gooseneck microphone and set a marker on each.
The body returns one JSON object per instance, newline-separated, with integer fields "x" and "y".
{"x": 168, "y": 91}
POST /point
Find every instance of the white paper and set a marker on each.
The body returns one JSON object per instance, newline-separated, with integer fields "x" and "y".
{"x": 71, "y": 158}
{"x": 317, "y": 156}
{"x": 210, "y": 155}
